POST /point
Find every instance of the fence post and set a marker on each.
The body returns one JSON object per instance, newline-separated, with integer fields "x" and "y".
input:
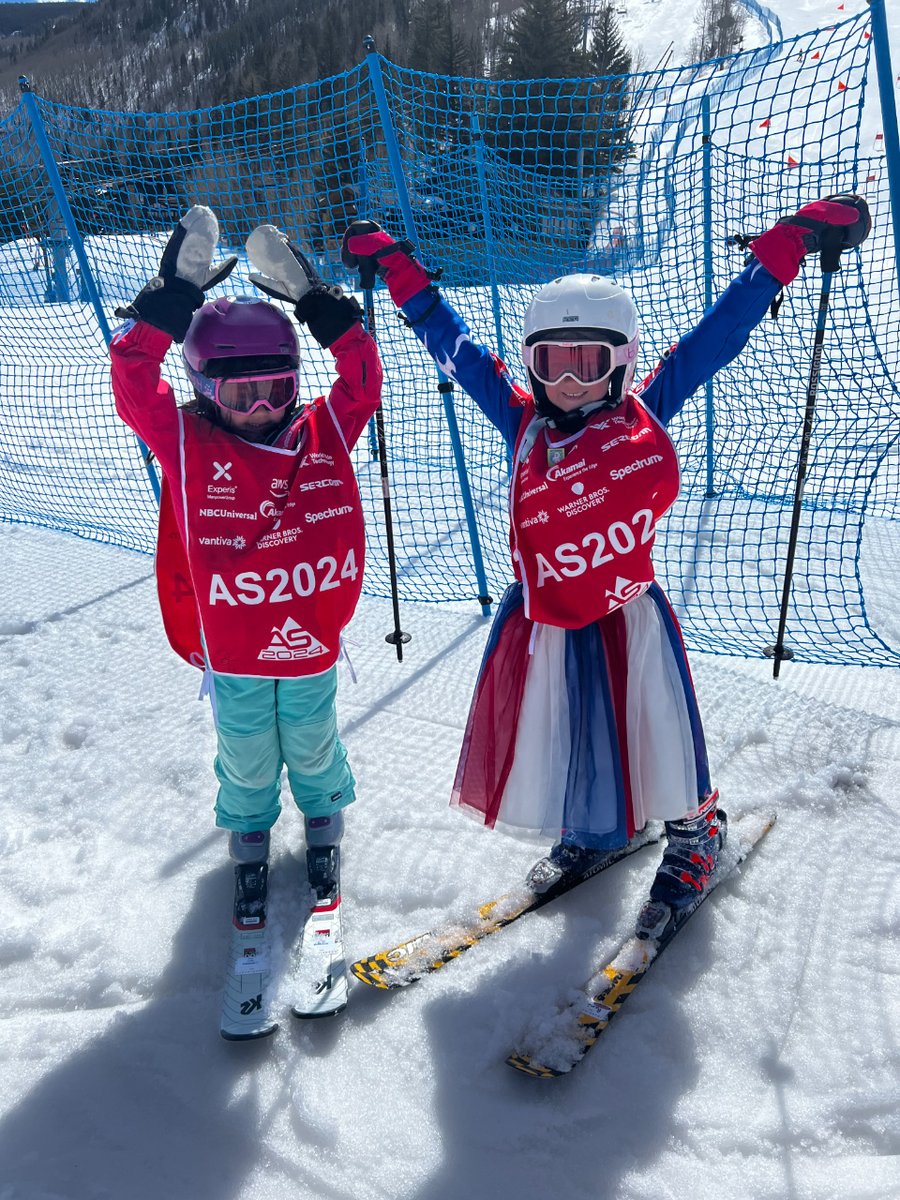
{"x": 885, "y": 73}
{"x": 88, "y": 283}
{"x": 708, "y": 281}
{"x": 488, "y": 232}
{"x": 445, "y": 385}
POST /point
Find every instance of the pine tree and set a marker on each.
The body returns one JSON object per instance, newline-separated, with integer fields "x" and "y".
{"x": 544, "y": 41}
{"x": 609, "y": 54}
{"x": 611, "y": 59}
{"x": 443, "y": 38}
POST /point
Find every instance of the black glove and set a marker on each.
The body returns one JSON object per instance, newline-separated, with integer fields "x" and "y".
{"x": 328, "y": 313}
{"x": 170, "y": 299}
{"x": 287, "y": 274}
{"x": 833, "y": 229}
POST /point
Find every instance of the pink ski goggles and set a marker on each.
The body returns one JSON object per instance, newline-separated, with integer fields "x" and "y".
{"x": 585, "y": 362}
{"x": 246, "y": 393}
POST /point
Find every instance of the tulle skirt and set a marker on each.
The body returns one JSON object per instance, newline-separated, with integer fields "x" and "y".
{"x": 593, "y": 730}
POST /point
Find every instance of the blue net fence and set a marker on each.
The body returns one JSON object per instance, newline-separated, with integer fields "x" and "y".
{"x": 506, "y": 185}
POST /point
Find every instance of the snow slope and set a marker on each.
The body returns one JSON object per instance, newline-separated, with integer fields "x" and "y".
{"x": 760, "y": 1060}
{"x": 651, "y": 27}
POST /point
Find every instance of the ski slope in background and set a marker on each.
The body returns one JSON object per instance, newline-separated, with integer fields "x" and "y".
{"x": 653, "y": 26}
{"x": 759, "y": 1062}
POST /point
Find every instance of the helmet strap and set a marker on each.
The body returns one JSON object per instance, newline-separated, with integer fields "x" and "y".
{"x": 574, "y": 420}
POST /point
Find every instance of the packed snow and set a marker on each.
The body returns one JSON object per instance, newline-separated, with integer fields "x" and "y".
{"x": 760, "y": 1059}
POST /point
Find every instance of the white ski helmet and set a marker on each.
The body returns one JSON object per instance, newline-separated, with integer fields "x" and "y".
{"x": 584, "y": 308}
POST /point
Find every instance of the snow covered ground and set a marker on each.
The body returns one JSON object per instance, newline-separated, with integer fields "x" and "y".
{"x": 761, "y": 1059}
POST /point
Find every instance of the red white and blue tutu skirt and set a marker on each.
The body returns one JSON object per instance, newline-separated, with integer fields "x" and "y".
{"x": 593, "y": 730}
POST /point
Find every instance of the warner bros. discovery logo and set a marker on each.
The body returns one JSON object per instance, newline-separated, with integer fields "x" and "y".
{"x": 291, "y": 642}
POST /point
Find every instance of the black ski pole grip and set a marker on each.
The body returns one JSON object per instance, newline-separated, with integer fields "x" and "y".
{"x": 367, "y": 269}
{"x": 830, "y": 249}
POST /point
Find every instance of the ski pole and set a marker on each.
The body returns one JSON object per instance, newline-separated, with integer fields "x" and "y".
{"x": 830, "y": 262}
{"x": 396, "y": 637}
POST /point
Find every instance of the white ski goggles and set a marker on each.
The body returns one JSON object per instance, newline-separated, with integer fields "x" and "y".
{"x": 246, "y": 393}
{"x": 585, "y": 362}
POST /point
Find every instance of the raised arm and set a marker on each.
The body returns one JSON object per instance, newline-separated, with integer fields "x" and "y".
{"x": 438, "y": 326}
{"x": 144, "y": 400}
{"x": 825, "y": 227}
{"x": 333, "y": 318}
{"x": 356, "y": 392}
{"x": 715, "y": 341}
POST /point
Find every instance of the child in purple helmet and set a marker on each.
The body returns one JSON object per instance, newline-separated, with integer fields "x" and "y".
{"x": 584, "y": 718}
{"x": 260, "y": 553}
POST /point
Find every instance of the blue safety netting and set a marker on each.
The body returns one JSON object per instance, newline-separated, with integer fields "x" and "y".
{"x": 509, "y": 184}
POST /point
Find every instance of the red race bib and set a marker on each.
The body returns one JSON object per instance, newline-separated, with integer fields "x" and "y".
{"x": 583, "y": 513}
{"x": 275, "y": 550}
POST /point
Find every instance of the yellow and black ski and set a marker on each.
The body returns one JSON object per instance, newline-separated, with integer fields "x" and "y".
{"x": 403, "y": 964}
{"x": 566, "y": 1040}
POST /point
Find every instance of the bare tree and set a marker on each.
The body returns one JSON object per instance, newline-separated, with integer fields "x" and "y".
{"x": 719, "y": 30}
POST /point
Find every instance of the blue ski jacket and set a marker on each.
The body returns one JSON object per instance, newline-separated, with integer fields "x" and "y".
{"x": 715, "y": 341}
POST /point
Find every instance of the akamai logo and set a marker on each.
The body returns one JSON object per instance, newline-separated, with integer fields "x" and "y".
{"x": 565, "y": 469}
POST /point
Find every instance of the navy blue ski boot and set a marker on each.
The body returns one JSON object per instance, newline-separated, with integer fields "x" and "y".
{"x": 566, "y": 863}
{"x": 688, "y": 862}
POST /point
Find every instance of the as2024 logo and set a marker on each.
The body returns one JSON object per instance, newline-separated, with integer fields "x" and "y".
{"x": 279, "y": 585}
{"x": 620, "y": 537}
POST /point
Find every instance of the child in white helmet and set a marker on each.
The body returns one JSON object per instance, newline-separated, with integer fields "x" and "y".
{"x": 584, "y": 724}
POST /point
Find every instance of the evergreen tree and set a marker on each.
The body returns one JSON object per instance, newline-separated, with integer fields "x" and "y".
{"x": 609, "y": 54}
{"x": 443, "y": 38}
{"x": 544, "y": 41}
{"x": 611, "y": 58}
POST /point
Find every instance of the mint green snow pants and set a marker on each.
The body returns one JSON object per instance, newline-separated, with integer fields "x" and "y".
{"x": 264, "y": 724}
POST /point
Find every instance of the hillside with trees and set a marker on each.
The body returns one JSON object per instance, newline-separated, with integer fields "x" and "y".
{"x": 164, "y": 55}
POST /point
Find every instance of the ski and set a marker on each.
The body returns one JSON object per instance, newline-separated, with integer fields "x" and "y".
{"x": 246, "y": 995}
{"x": 403, "y": 964}
{"x": 570, "y": 1035}
{"x": 320, "y": 969}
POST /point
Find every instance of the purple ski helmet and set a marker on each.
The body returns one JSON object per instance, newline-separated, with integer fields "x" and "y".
{"x": 240, "y": 336}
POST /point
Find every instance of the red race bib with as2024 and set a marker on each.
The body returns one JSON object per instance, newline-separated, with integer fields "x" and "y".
{"x": 583, "y": 513}
{"x": 272, "y": 569}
